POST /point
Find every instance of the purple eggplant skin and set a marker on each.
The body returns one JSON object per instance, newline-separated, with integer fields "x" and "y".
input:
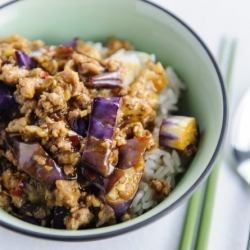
{"x": 23, "y": 60}
{"x": 10, "y": 138}
{"x": 131, "y": 153}
{"x": 30, "y": 219}
{"x": 100, "y": 135}
{"x": 71, "y": 43}
{"x": 9, "y": 116}
{"x": 59, "y": 214}
{"x": 45, "y": 174}
{"x": 79, "y": 126}
{"x": 105, "y": 80}
{"x": 120, "y": 208}
{"x": 103, "y": 118}
{"x": 121, "y": 204}
{"x": 95, "y": 178}
{"x": 7, "y": 100}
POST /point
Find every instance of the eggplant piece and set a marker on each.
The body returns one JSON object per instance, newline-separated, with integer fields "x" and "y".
{"x": 123, "y": 185}
{"x": 79, "y": 126}
{"x": 130, "y": 154}
{"x": 93, "y": 177}
{"x": 100, "y": 135}
{"x": 30, "y": 219}
{"x": 71, "y": 43}
{"x": 104, "y": 215}
{"x": 59, "y": 214}
{"x": 23, "y": 60}
{"x": 43, "y": 168}
{"x": 178, "y": 132}
{"x": 6, "y": 117}
{"x": 105, "y": 80}
{"x": 7, "y": 100}
{"x": 10, "y": 138}
{"x": 118, "y": 190}
{"x": 38, "y": 52}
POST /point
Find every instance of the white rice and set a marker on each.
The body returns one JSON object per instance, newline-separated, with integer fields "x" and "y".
{"x": 160, "y": 164}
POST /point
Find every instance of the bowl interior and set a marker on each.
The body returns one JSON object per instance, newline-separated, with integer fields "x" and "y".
{"x": 150, "y": 29}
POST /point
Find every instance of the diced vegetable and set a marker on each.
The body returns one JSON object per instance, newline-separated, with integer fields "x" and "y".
{"x": 7, "y": 100}
{"x": 178, "y": 132}
{"x": 121, "y": 189}
{"x": 71, "y": 43}
{"x": 79, "y": 126}
{"x": 100, "y": 135}
{"x": 157, "y": 75}
{"x": 105, "y": 80}
{"x": 38, "y": 52}
{"x": 137, "y": 110}
{"x": 23, "y": 60}
{"x": 95, "y": 178}
{"x": 105, "y": 215}
{"x": 64, "y": 52}
{"x": 130, "y": 154}
{"x": 30, "y": 219}
{"x": 74, "y": 140}
{"x": 37, "y": 163}
{"x": 59, "y": 214}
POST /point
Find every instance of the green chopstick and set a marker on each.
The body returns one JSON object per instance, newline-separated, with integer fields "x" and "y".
{"x": 191, "y": 220}
{"x": 192, "y": 216}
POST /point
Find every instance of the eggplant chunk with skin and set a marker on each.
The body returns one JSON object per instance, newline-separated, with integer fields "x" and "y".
{"x": 23, "y": 60}
{"x": 122, "y": 187}
{"x": 179, "y": 132}
{"x": 124, "y": 181}
{"x": 33, "y": 160}
{"x": 105, "y": 80}
{"x": 130, "y": 154}
{"x": 58, "y": 216}
{"x": 100, "y": 135}
{"x": 119, "y": 189}
{"x": 7, "y": 100}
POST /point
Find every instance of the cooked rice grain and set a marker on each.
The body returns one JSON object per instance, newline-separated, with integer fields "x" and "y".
{"x": 160, "y": 164}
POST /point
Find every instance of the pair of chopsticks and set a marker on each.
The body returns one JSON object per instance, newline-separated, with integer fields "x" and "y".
{"x": 197, "y": 225}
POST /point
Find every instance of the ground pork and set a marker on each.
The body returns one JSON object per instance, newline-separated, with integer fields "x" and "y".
{"x": 66, "y": 193}
{"x": 79, "y": 218}
{"x": 162, "y": 189}
{"x": 72, "y": 78}
{"x": 28, "y": 106}
{"x": 17, "y": 125}
{"x": 10, "y": 180}
{"x": 137, "y": 110}
{"x": 11, "y": 157}
{"x": 115, "y": 44}
{"x": 5, "y": 202}
{"x": 51, "y": 102}
{"x": 11, "y": 74}
{"x": 87, "y": 65}
{"x": 28, "y": 86}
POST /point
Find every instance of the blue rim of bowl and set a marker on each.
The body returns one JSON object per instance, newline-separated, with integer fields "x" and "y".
{"x": 184, "y": 196}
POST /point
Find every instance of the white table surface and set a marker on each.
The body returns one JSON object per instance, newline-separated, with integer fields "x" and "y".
{"x": 211, "y": 19}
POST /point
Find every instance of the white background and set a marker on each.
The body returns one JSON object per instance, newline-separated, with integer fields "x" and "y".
{"x": 211, "y": 20}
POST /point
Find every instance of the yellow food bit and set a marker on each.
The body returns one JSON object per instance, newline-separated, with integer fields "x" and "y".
{"x": 84, "y": 113}
{"x": 88, "y": 50}
{"x": 180, "y": 132}
{"x": 67, "y": 95}
{"x": 9, "y": 52}
{"x": 144, "y": 91}
{"x": 156, "y": 73}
